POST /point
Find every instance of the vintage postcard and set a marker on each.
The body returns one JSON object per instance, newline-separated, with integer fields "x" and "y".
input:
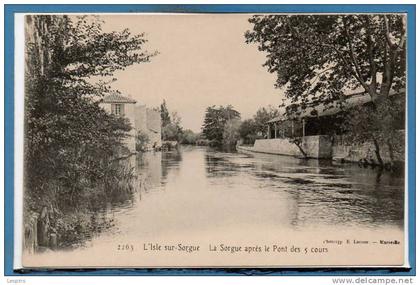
{"x": 214, "y": 140}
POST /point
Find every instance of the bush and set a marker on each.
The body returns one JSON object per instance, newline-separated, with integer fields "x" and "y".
{"x": 231, "y": 133}
{"x": 248, "y": 131}
{"x": 189, "y": 137}
{"x": 71, "y": 143}
{"x": 142, "y": 141}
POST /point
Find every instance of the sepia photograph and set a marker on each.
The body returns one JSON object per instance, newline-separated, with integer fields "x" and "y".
{"x": 208, "y": 140}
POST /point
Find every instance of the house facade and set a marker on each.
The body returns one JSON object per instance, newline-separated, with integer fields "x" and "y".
{"x": 148, "y": 121}
{"x": 122, "y": 106}
{"x": 140, "y": 117}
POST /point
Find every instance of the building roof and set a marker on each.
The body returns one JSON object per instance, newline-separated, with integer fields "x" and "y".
{"x": 118, "y": 98}
{"x": 351, "y": 101}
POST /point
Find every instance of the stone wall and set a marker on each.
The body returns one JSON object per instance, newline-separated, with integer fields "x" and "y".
{"x": 276, "y": 146}
{"x": 313, "y": 146}
{"x": 355, "y": 152}
{"x": 317, "y": 146}
{"x": 337, "y": 148}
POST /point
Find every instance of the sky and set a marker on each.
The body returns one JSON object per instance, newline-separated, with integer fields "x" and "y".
{"x": 203, "y": 60}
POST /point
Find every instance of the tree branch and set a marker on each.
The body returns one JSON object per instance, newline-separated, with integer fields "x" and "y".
{"x": 387, "y": 37}
{"x": 349, "y": 65}
{"x": 353, "y": 56}
{"x": 389, "y": 70}
{"x": 320, "y": 73}
{"x": 373, "y": 69}
{"x": 403, "y": 33}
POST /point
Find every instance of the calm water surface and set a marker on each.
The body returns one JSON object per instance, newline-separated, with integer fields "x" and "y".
{"x": 197, "y": 190}
{"x": 200, "y": 196}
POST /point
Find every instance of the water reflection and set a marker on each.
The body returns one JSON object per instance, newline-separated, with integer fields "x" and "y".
{"x": 197, "y": 189}
{"x": 170, "y": 161}
{"x": 352, "y": 195}
{"x": 152, "y": 162}
{"x": 317, "y": 191}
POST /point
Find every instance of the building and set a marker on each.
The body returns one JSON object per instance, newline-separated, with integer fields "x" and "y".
{"x": 315, "y": 128}
{"x": 122, "y": 106}
{"x": 148, "y": 121}
{"x": 314, "y": 120}
{"x": 141, "y": 118}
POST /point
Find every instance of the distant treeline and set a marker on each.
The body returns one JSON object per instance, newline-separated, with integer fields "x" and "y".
{"x": 173, "y": 131}
{"x": 223, "y": 126}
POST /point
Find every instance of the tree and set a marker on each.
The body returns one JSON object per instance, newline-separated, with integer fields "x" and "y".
{"x": 142, "y": 141}
{"x": 170, "y": 132}
{"x": 379, "y": 124}
{"x": 164, "y": 114}
{"x": 251, "y": 129}
{"x": 215, "y": 120}
{"x": 318, "y": 58}
{"x": 231, "y": 132}
{"x": 248, "y": 131}
{"x": 189, "y": 137}
{"x": 264, "y": 115}
{"x": 71, "y": 143}
{"x": 171, "y": 124}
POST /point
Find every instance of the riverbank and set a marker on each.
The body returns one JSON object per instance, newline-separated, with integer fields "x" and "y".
{"x": 313, "y": 146}
{"x": 57, "y": 224}
{"x": 336, "y": 148}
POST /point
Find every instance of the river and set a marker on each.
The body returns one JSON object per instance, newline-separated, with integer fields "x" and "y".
{"x": 199, "y": 195}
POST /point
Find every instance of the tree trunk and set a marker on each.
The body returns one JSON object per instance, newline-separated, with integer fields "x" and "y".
{"x": 298, "y": 144}
{"x": 43, "y": 225}
{"x": 391, "y": 151}
{"x": 302, "y": 151}
{"x": 377, "y": 152}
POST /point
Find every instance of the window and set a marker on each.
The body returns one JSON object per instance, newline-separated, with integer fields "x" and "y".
{"x": 117, "y": 109}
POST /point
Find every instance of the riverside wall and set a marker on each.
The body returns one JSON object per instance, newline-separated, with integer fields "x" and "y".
{"x": 313, "y": 146}
{"x": 338, "y": 148}
{"x": 344, "y": 150}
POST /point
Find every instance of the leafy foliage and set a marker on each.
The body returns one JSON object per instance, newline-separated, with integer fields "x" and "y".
{"x": 264, "y": 115}
{"x": 251, "y": 129}
{"x": 70, "y": 141}
{"x": 379, "y": 123}
{"x": 319, "y": 59}
{"x": 215, "y": 120}
{"x": 231, "y": 132}
{"x": 164, "y": 114}
{"x": 189, "y": 137}
{"x": 171, "y": 124}
{"x": 142, "y": 140}
{"x": 248, "y": 131}
{"x": 171, "y": 132}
